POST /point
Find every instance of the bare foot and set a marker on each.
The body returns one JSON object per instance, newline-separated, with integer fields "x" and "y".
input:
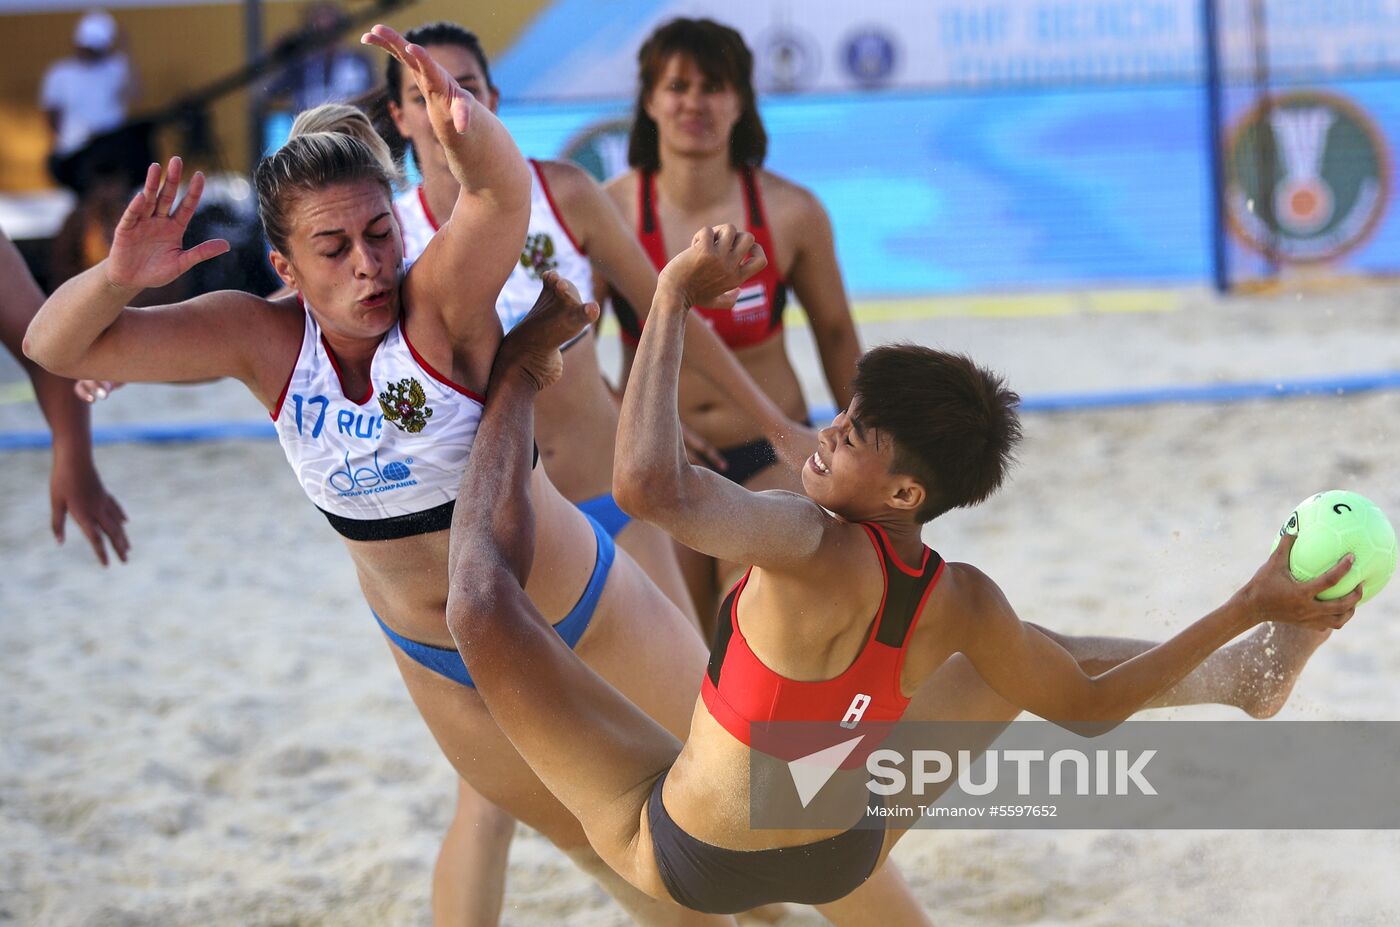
{"x": 557, "y": 316}
{"x": 768, "y": 914}
{"x": 532, "y": 346}
{"x": 1269, "y": 663}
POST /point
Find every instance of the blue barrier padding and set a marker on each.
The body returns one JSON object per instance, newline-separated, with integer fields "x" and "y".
{"x": 1215, "y": 392}
{"x": 147, "y": 434}
{"x": 1208, "y": 392}
{"x": 1064, "y": 402}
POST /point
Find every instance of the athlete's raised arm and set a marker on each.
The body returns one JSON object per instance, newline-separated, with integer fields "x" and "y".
{"x": 488, "y": 223}
{"x": 652, "y": 478}
{"x": 493, "y": 523}
{"x": 1031, "y": 671}
{"x": 74, "y": 486}
{"x": 86, "y": 328}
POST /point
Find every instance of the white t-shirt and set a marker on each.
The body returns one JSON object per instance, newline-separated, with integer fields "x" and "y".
{"x": 89, "y": 97}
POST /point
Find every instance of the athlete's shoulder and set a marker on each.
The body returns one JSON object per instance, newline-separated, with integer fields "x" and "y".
{"x": 970, "y": 580}
{"x": 963, "y": 610}
{"x": 829, "y": 546}
{"x": 281, "y": 313}
{"x": 778, "y": 190}
{"x": 248, "y": 304}
{"x": 565, "y": 174}
{"x": 836, "y": 569}
{"x": 570, "y": 187}
{"x": 789, "y": 205}
{"x": 622, "y": 189}
{"x": 265, "y": 333}
{"x": 970, "y": 597}
{"x": 284, "y": 303}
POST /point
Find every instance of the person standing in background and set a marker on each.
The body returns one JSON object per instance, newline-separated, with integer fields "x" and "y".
{"x": 87, "y": 94}
{"x": 696, "y": 150}
{"x": 328, "y": 72}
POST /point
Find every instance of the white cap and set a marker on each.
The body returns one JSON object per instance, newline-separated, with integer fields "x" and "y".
{"x": 97, "y": 31}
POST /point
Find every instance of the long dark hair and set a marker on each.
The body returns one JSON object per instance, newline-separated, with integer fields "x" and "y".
{"x": 721, "y": 55}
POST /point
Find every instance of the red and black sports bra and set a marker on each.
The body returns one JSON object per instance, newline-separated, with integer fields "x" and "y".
{"x": 743, "y": 694}
{"x": 757, "y": 314}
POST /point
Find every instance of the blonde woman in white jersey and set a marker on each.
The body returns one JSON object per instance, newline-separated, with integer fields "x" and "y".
{"x": 374, "y": 377}
{"x": 578, "y": 419}
{"x": 574, "y": 229}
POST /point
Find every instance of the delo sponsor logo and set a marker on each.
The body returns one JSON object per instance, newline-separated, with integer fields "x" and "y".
{"x": 350, "y": 481}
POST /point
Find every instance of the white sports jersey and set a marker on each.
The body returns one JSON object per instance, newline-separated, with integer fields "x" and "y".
{"x": 416, "y": 222}
{"x": 549, "y": 245}
{"x": 398, "y": 451}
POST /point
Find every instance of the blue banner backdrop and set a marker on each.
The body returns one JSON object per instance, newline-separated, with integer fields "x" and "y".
{"x": 998, "y": 190}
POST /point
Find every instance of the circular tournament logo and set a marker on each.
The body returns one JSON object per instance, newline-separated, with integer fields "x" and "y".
{"x": 870, "y": 57}
{"x": 787, "y": 61}
{"x": 601, "y": 148}
{"x": 1308, "y": 177}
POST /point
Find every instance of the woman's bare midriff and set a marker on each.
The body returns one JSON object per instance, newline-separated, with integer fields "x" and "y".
{"x": 707, "y": 792}
{"x": 576, "y": 424}
{"x": 824, "y": 632}
{"x": 405, "y": 580}
{"x": 715, "y": 417}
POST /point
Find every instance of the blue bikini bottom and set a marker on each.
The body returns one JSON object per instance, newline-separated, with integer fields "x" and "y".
{"x": 448, "y": 662}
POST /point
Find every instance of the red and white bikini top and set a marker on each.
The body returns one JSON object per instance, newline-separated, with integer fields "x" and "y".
{"x": 757, "y": 314}
{"x": 743, "y": 694}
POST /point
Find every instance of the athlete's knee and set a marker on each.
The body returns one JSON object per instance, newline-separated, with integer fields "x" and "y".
{"x": 477, "y": 815}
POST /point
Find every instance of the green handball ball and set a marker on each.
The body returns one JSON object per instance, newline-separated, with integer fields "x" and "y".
{"x": 1331, "y": 525}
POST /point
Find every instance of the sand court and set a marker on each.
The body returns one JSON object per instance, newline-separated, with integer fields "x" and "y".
{"x": 214, "y": 733}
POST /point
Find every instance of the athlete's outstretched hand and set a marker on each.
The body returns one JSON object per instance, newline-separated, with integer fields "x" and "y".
{"x": 75, "y": 489}
{"x": 93, "y": 390}
{"x": 1272, "y": 594}
{"x": 531, "y": 348}
{"x": 718, "y": 261}
{"x": 449, "y": 106}
{"x": 148, "y": 246}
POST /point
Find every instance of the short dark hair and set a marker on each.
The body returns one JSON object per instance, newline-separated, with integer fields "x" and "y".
{"x": 721, "y": 55}
{"x": 954, "y": 424}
